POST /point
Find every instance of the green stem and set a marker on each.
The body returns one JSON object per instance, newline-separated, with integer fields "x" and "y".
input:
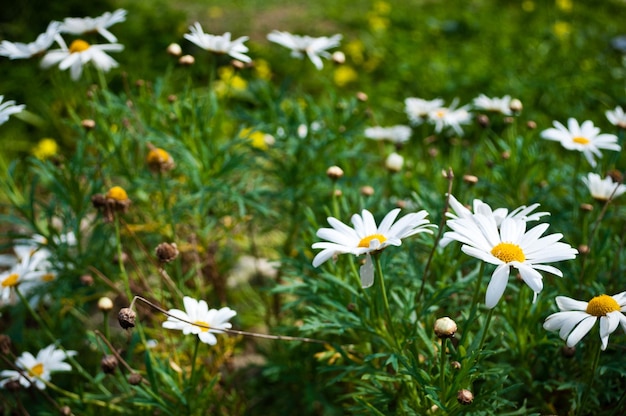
{"x": 383, "y": 291}
{"x": 193, "y": 363}
{"x": 485, "y": 329}
{"x": 120, "y": 259}
{"x": 442, "y": 372}
{"x": 474, "y": 306}
{"x": 594, "y": 366}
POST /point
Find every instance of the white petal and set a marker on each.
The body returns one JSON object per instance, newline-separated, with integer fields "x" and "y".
{"x": 497, "y": 285}
{"x": 366, "y": 272}
{"x": 581, "y": 330}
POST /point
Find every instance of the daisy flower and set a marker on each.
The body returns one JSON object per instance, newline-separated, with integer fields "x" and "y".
{"x": 496, "y": 105}
{"x": 37, "y": 370}
{"x": 508, "y": 246}
{"x": 198, "y": 312}
{"x": 19, "y": 50}
{"x": 396, "y": 134}
{"x": 78, "y": 54}
{"x": 218, "y": 44}
{"x": 26, "y": 269}
{"x": 577, "y": 317}
{"x": 314, "y": 48}
{"x": 603, "y": 189}
{"x": 8, "y": 108}
{"x": 617, "y": 117}
{"x": 450, "y": 117}
{"x": 417, "y": 109}
{"x": 585, "y": 138}
{"x": 366, "y": 237}
{"x": 80, "y": 26}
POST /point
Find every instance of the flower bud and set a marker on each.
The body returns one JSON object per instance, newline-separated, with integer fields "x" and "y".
{"x": 445, "y": 327}
{"x": 361, "y": 96}
{"x": 105, "y": 304}
{"x": 456, "y": 365}
{"x": 367, "y": 190}
{"x": 88, "y": 124}
{"x": 186, "y": 60}
{"x": 516, "y": 105}
{"x": 126, "y": 318}
{"x": 334, "y": 172}
{"x": 339, "y": 57}
{"x": 174, "y": 49}
{"x": 394, "y": 162}
{"x": 135, "y": 379}
{"x": 108, "y": 363}
{"x": 483, "y": 120}
{"x": 470, "y": 179}
{"x": 166, "y": 252}
{"x": 465, "y": 397}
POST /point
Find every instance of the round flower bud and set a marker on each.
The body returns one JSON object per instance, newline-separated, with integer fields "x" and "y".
{"x": 339, "y": 57}
{"x": 186, "y": 60}
{"x": 88, "y": 124}
{"x": 334, "y": 172}
{"x": 361, "y": 96}
{"x": 465, "y": 397}
{"x": 470, "y": 179}
{"x": 456, "y": 365}
{"x": 108, "y": 363}
{"x": 135, "y": 379}
{"x": 126, "y": 318}
{"x": 586, "y": 207}
{"x": 174, "y": 49}
{"x": 367, "y": 190}
{"x": 583, "y": 249}
{"x": 445, "y": 327}
{"x": 516, "y": 105}
{"x": 568, "y": 352}
{"x": 86, "y": 279}
{"x": 105, "y": 304}
{"x": 394, "y": 162}
{"x": 166, "y": 252}
{"x": 531, "y": 125}
{"x": 483, "y": 120}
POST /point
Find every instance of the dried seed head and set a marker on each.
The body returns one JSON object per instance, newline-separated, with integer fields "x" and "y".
{"x": 105, "y": 304}
{"x": 334, "y": 172}
{"x": 483, "y": 120}
{"x": 5, "y": 344}
{"x": 445, "y": 327}
{"x": 86, "y": 279}
{"x": 135, "y": 379}
{"x": 13, "y": 385}
{"x": 465, "y": 397}
{"x": 166, "y": 252}
{"x": 126, "y": 318}
{"x": 108, "y": 363}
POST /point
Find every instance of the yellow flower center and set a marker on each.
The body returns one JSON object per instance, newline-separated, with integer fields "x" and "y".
{"x": 440, "y": 113}
{"x": 157, "y": 156}
{"x": 118, "y": 193}
{"x": 205, "y": 326}
{"x": 78, "y": 45}
{"x": 11, "y": 280}
{"x": 48, "y": 277}
{"x": 36, "y": 370}
{"x": 508, "y": 252}
{"x": 365, "y": 242}
{"x": 602, "y": 305}
{"x": 581, "y": 140}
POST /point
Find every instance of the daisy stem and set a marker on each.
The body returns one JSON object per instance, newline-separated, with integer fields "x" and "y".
{"x": 594, "y": 366}
{"x": 120, "y": 259}
{"x": 486, "y": 327}
{"x": 383, "y": 291}
{"x": 193, "y": 361}
{"x": 474, "y": 306}
{"x": 442, "y": 371}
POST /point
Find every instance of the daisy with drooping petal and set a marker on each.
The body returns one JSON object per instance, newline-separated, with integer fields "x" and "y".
{"x": 616, "y": 117}
{"x": 37, "y": 370}
{"x": 585, "y": 138}
{"x": 450, "y": 117}
{"x": 396, "y": 134}
{"x": 19, "y": 50}
{"x": 603, "y": 189}
{"x": 577, "y": 317}
{"x": 78, "y": 54}
{"x": 8, "y": 108}
{"x": 496, "y": 105}
{"x": 366, "y": 237}
{"x": 218, "y": 44}
{"x": 510, "y": 245}
{"x": 100, "y": 24}
{"x": 417, "y": 109}
{"x": 213, "y": 321}
{"x": 314, "y": 48}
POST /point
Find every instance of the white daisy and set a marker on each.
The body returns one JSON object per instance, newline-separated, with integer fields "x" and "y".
{"x": 366, "y": 237}
{"x": 585, "y": 138}
{"x": 78, "y": 54}
{"x": 37, "y": 369}
{"x": 603, "y": 189}
{"x": 508, "y": 246}
{"x": 417, "y": 109}
{"x": 306, "y": 45}
{"x": 218, "y": 44}
{"x": 496, "y": 105}
{"x": 396, "y": 134}
{"x": 577, "y": 317}
{"x": 198, "y": 312}
{"x": 79, "y": 26}
{"x": 26, "y": 269}
{"x": 19, "y": 50}
{"x": 617, "y": 117}
{"x": 450, "y": 117}
{"x": 8, "y": 108}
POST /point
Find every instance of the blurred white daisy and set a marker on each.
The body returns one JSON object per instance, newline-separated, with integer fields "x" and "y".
{"x": 577, "y": 317}
{"x": 508, "y": 246}
{"x": 100, "y": 24}
{"x": 396, "y": 134}
{"x": 617, "y": 117}
{"x": 450, "y": 117}
{"x": 8, "y": 108}
{"x": 78, "y": 54}
{"x": 26, "y": 269}
{"x": 417, "y": 109}
{"x": 213, "y": 321}
{"x": 585, "y": 138}
{"x": 37, "y": 369}
{"x": 366, "y": 237}
{"x": 314, "y": 48}
{"x": 218, "y": 44}
{"x": 496, "y": 105}
{"x": 19, "y": 50}
{"x": 603, "y": 189}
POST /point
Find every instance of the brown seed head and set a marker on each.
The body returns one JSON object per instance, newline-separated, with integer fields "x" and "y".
{"x": 135, "y": 379}
{"x": 166, "y": 252}
{"x": 108, "y": 363}
{"x": 5, "y": 344}
{"x": 465, "y": 397}
{"x": 126, "y": 318}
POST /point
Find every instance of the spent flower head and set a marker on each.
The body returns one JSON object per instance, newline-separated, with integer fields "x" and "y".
{"x": 19, "y": 50}
{"x": 314, "y": 48}
{"x": 585, "y": 138}
{"x": 100, "y": 24}
{"x": 367, "y": 238}
{"x": 576, "y": 318}
{"x": 197, "y": 312}
{"x": 218, "y": 44}
{"x": 603, "y": 189}
{"x": 37, "y": 369}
